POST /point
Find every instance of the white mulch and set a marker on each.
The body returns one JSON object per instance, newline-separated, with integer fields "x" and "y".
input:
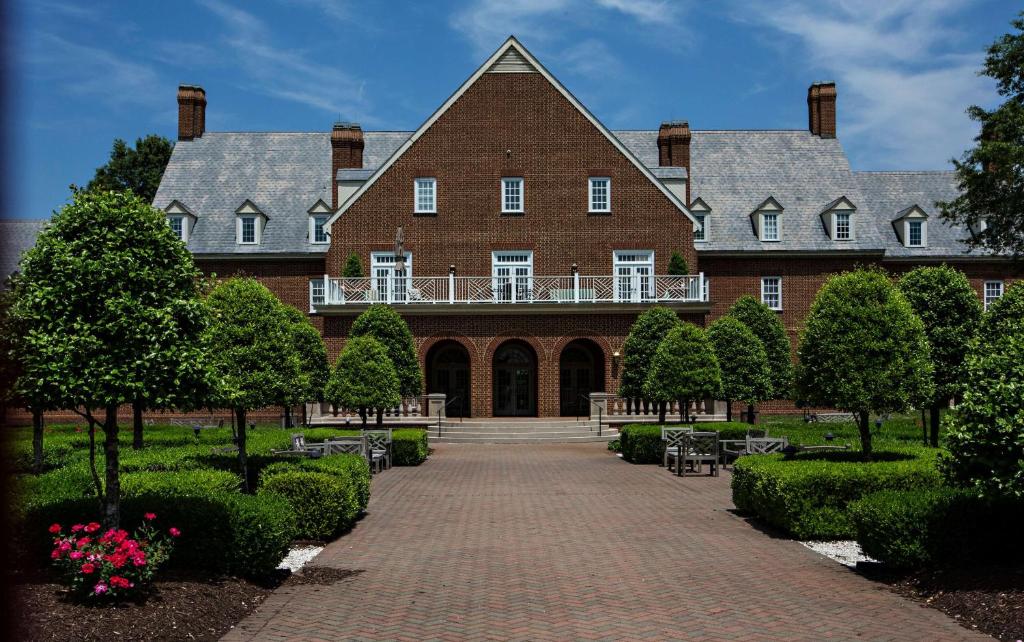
{"x": 299, "y": 557}
{"x": 846, "y": 552}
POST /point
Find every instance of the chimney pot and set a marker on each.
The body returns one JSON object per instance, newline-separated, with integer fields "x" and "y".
{"x": 821, "y": 108}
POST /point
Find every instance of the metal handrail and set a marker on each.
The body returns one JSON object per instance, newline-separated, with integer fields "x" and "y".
{"x": 599, "y": 414}
{"x": 444, "y": 407}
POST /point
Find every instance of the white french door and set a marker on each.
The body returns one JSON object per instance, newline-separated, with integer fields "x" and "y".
{"x": 634, "y": 276}
{"x": 390, "y": 285}
{"x": 512, "y": 276}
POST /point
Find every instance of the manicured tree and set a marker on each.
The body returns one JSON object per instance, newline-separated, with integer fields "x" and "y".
{"x": 252, "y": 352}
{"x": 385, "y": 325}
{"x": 767, "y": 327}
{"x": 677, "y": 265}
{"x": 646, "y": 334}
{"x": 684, "y": 368}
{"x": 944, "y": 300}
{"x": 108, "y": 310}
{"x": 985, "y": 435}
{"x": 314, "y": 368}
{"x": 743, "y": 361}
{"x": 363, "y": 378}
{"x": 863, "y": 350}
{"x": 353, "y": 267}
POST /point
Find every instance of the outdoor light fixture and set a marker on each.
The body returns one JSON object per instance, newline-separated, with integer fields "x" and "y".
{"x": 575, "y": 268}
{"x": 451, "y": 269}
{"x": 829, "y": 436}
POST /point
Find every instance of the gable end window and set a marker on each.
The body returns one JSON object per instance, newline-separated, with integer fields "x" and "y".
{"x": 844, "y": 229}
{"x": 993, "y": 290}
{"x": 178, "y": 226}
{"x": 511, "y": 196}
{"x": 770, "y": 226}
{"x": 600, "y": 189}
{"x": 771, "y": 292}
{"x": 248, "y": 230}
{"x": 425, "y": 196}
{"x": 317, "y": 233}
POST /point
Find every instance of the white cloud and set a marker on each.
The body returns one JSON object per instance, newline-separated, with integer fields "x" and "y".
{"x": 650, "y": 11}
{"x": 903, "y": 84}
{"x": 486, "y": 23}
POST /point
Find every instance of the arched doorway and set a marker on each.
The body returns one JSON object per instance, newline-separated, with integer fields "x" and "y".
{"x": 580, "y": 372}
{"x": 515, "y": 380}
{"x": 448, "y": 372}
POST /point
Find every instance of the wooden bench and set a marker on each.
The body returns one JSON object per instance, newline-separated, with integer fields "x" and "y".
{"x": 831, "y": 417}
{"x": 697, "y": 449}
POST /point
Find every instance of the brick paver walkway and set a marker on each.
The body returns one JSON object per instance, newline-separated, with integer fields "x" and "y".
{"x": 568, "y": 542}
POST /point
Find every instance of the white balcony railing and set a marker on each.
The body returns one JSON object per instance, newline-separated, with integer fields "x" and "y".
{"x": 515, "y": 289}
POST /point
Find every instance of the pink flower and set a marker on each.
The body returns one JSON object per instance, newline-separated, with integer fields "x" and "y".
{"x": 174, "y": 532}
{"x": 92, "y": 527}
{"x": 82, "y": 543}
{"x": 119, "y": 582}
{"x": 150, "y": 516}
{"x": 101, "y": 588}
{"x": 55, "y": 528}
{"x": 76, "y": 528}
{"x": 55, "y": 554}
{"x": 88, "y": 569}
{"x": 65, "y": 546}
{"x": 75, "y": 555}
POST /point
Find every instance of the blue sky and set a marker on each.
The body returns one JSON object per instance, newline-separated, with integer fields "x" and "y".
{"x": 85, "y": 73}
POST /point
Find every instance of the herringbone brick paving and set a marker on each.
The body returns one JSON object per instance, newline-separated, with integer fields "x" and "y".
{"x": 567, "y": 542}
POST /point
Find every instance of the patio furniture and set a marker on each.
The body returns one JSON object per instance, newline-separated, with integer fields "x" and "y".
{"x": 697, "y": 448}
{"x": 351, "y": 445}
{"x": 737, "y": 448}
{"x": 673, "y": 438}
{"x": 379, "y": 443}
{"x": 300, "y": 447}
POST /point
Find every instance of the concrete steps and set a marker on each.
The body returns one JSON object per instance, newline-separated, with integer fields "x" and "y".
{"x": 520, "y": 432}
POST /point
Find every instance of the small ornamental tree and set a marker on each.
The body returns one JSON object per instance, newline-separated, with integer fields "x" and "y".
{"x": 1003, "y": 315}
{"x": 381, "y": 322}
{"x": 677, "y": 265}
{"x": 314, "y": 369}
{"x": 985, "y": 435}
{"x": 646, "y": 334}
{"x": 108, "y": 310}
{"x": 766, "y": 326}
{"x": 353, "y": 267}
{"x": 684, "y": 368}
{"x": 944, "y": 300}
{"x": 138, "y": 170}
{"x": 252, "y": 352}
{"x": 863, "y": 350}
{"x": 743, "y": 362}
{"x": 363, "y": 378}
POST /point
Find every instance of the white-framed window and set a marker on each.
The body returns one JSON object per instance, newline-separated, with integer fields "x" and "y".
{"x": 634, "y": 275}
{"x": 248, "y": 229}
{"x": 844, "y": 227}
{"x": 993, "y": 290}
{"x": 178, "y": 226}
{"x": 425, "y": 195}
{"x": 511, "y": 195}
{"x": 915, "y": 233}
{"x": 702, "y": 233}
{"x": 600, "y": 189}
{"x": 771, "y": 292}
{"x": 770, "y": 226}
{"x": 512, "y": 275}
{"x": 317, "y": 293}
{"x": 389, "y": 284}
{"x": 317, "y": 233}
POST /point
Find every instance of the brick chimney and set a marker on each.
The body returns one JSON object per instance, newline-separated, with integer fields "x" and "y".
{"x": 191, "y": 112}
{"x": 821, "y": 109}
{"x": 674, "y": 148}
{"x": 346, "y": 152}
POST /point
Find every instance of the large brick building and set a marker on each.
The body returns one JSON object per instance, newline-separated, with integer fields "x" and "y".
{"x": 533, "y": 235}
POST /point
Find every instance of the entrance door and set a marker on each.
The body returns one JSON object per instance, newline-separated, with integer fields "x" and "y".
{"x": 581, "y": 371}
{"x": 448, "y": 372}
{"x": 515, "y": 381}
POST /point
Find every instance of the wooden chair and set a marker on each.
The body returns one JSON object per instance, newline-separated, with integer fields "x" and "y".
{"x": 300, "y": 447}
{"x": 752, "y": 446}
{"x": 352, "y": 445}
{"x": 673, "y": 438}
{"x": 697, "y": 449}
{"x": 379, "y": 443}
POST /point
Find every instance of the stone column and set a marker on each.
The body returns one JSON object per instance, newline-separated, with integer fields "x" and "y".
{"x": 435, "y": 403}
{"x": 599, "y": 402}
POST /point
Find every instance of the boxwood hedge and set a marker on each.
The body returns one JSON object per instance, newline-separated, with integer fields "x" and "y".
{"x": 409, "y": 447}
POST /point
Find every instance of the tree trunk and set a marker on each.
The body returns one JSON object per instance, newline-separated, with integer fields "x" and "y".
{"x": 137, "y": 424}
{"x": 728, "y": 410}
{"x": 750, "y": 413}
{"x": 935, "y": 421}
{"x": 92, "y": 461}
{"x": 865, "y": 434}
{"x": 661, "y": 412}
{"x": 380, "y": 416}
{"x": 37, "y": 440}
{"x": 287, "y": 417}
{"x": 243, "y": 462}
{"x": 112, "y": 495}
{"x": 305, "y": 416}
{"x": 362, "y": 415}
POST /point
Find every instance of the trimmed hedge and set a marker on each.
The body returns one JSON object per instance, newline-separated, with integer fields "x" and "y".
{"x": 409, "y": 447}
{"x": 914, "y": 528}
{"x": 17, "y": 454}
{"x": 328, "y": 494}
{"x": 808, "y": 496}
{"x": 178, "y": 483}
{"x": 642, "y": 444}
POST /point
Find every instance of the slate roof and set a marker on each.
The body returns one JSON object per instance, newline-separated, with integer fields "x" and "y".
{"x": 16, "y": 236}
{"x": 284, "y": 174}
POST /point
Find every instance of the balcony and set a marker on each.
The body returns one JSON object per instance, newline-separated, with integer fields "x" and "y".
{"x": 514, "y": 294}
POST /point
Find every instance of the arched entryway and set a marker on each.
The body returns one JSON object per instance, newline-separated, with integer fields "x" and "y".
{"x": 515, "y": 380}
{"x": 448, "y": 372}
{"x": 580, "y": 372}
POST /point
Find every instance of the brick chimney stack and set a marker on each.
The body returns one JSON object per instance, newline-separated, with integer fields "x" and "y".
{"x": 191, "y": 112}
{"x": 674, "y": 148}
{"x": 346, "y": 152}
{"x": 821, "y": 109}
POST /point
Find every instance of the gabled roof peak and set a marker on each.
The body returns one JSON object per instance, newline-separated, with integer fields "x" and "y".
{"x": 769, "y": 204}
{"x": 841, "y": 203}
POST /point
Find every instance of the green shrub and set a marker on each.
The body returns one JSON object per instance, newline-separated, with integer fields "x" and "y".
{"x": 19, "y": 457}
{"x": 913, "y": 528}
{"x": 157, "y": 459}
{"x": 352, "y": 469}
{"x": 615, "y": 446}
{"x": 318, "y": 499}
{"x": 409, "y": 447}
{"x": 642, "y": 444}
{"x": 808, "y": 495}
{"x": 262, "y": 528}
{"x": 181, "y": 484}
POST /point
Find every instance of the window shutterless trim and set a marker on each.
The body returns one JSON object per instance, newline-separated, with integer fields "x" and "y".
{"x": 778, "y": 282}
{"x": 520, "y": 197}
{"x": 607, "y": 195}
{"x": 240, "y": 229}
{"x": 316, "y": 229}
{"x": 424, "y": 207}
{"x": 987, "y": 298}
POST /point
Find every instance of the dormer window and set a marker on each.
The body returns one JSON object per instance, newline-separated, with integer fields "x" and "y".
{"x": 837, "y": 217}
{"x": 911, "y": 227}
{"x": 915, "y": 233}
{"x": 843, "y": 229}
{"x": 767, "y": 220}
{"x": 319, "y": 214}
{"x": 180, "y": 220}
{"x": 702, "y": 213}
{"x": 177, "y": 224}
{"x": 249, "y": 224}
